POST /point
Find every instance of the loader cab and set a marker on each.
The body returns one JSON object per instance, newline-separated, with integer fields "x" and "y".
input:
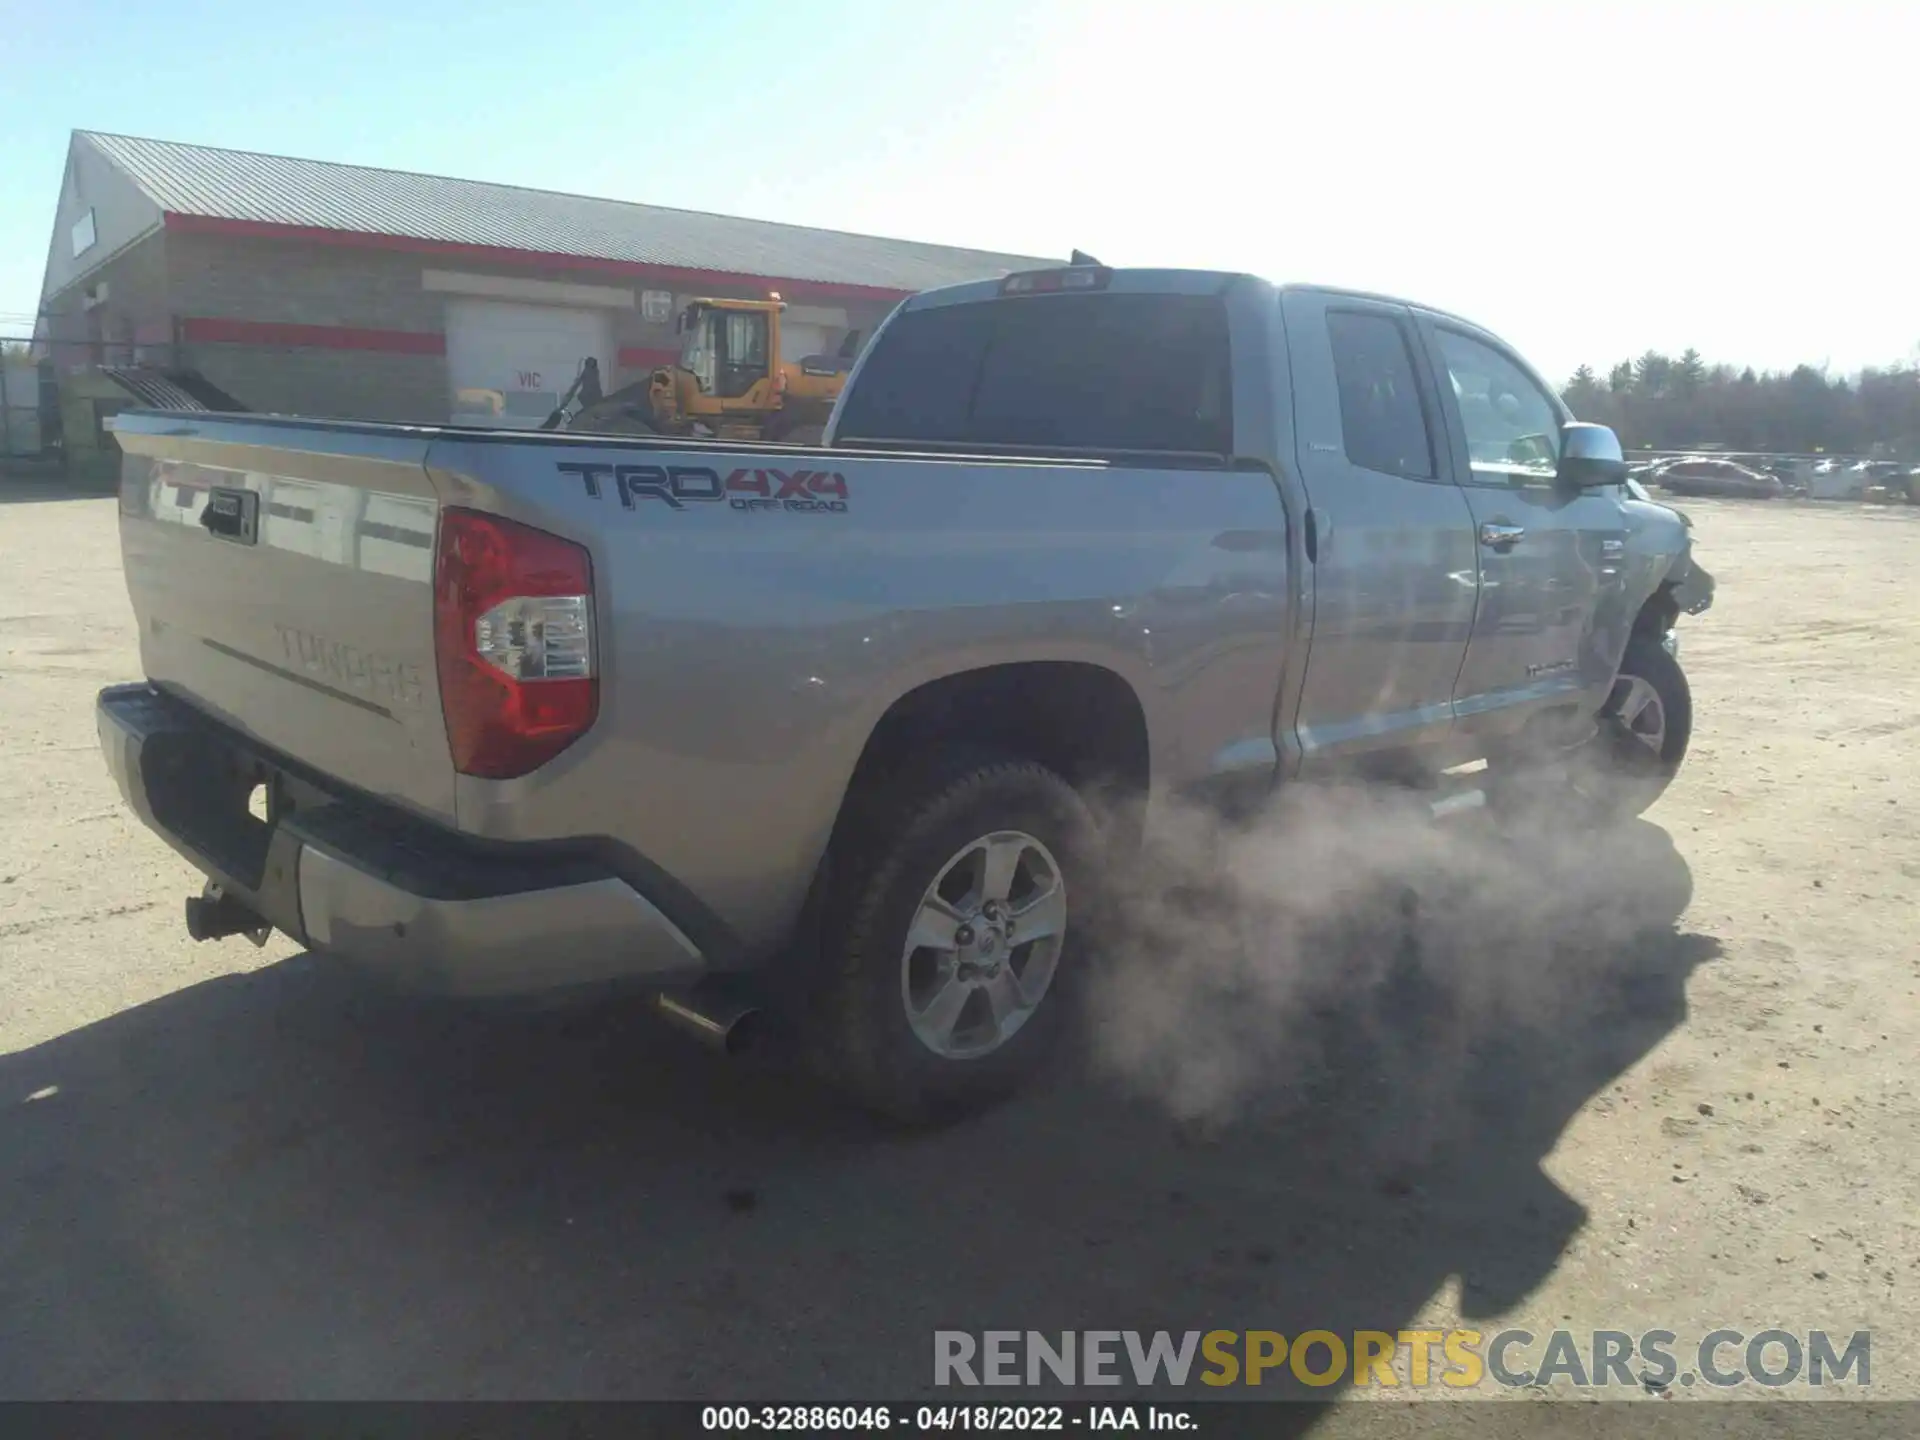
{"x": 728, "y": 347}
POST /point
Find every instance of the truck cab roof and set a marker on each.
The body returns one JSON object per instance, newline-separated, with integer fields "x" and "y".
{"x": 1152, "y": 280}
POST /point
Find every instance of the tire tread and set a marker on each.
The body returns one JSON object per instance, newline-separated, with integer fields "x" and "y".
{"x": 849, "y": 1045}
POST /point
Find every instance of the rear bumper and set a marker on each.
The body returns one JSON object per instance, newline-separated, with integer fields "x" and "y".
{"x": 420, "y": 906}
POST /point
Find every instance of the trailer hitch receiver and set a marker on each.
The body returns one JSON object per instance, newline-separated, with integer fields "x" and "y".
{"x": 214, "y": 915}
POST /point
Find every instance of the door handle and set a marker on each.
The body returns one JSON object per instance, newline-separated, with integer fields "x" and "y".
{"x": 1498, "y": 535}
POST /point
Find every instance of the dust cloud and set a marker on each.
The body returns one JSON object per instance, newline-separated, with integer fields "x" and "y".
{"x": 1235, "y": 956}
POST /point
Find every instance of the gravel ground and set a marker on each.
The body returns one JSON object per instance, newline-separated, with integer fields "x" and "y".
{"x": 227, "y": 1172}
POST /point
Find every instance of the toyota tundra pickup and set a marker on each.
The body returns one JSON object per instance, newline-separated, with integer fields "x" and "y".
{"x": 828, "y": 728}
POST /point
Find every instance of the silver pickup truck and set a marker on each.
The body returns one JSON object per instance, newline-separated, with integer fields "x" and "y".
{"x": 516, "y": 714}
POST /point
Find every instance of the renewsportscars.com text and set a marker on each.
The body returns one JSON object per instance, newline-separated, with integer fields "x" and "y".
{"x": 1418, "y": 1359}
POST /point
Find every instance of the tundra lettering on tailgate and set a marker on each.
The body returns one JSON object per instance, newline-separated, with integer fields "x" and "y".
{"x": 381, "y": 676}
{"x": 807, "y": 492}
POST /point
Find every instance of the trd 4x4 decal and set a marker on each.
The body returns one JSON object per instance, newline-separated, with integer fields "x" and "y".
{"x": 815, "y": 492}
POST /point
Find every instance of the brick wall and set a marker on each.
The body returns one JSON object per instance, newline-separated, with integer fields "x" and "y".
{"x": 270, "y": 282}
{"x": 136, "y": 312}
{"x": 246, "y": 278}
{"x": 328, "y": 384}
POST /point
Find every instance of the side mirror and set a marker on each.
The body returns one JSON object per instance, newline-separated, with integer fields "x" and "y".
{"x": 1590, "y": 456}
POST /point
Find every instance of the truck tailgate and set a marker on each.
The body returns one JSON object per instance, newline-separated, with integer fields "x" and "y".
{"x": 281, "y": 575}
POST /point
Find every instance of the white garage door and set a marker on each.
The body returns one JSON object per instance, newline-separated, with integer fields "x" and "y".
{"x": 510, "y": 364}
{"x": 810, "y": 330}
{"x": 799, "y": 341}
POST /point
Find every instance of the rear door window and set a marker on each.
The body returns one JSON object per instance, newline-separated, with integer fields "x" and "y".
{"x": 1083, "y": 372}
{"x": 1382, "y": 422}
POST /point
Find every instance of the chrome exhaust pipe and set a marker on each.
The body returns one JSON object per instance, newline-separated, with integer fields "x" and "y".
{"x": 712, "y": 1015}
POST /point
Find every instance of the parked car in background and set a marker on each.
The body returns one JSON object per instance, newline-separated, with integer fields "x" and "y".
{"x": 1891, "y": 480}
{"x": 1835, "y": 480}
{"x": 1788, "y": 472}
{"x": 1638, "y": 491}
{"x": 1699, "y": 476}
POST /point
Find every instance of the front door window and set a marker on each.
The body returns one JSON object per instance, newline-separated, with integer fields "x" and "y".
{"x": 1513, "y": 427}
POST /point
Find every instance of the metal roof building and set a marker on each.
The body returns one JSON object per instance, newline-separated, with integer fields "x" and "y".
{"x": 312, "y": 287}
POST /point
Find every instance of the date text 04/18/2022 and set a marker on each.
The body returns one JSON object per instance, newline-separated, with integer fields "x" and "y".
{"x": 935, "y": 1419}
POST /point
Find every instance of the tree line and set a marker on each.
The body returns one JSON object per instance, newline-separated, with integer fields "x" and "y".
{"x": 1661, "y": 402}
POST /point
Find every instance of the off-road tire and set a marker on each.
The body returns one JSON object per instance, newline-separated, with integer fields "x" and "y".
{"x": 895, "y": 841}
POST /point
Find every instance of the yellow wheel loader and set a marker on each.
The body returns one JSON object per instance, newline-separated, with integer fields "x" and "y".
{"x": 728, "y": 382}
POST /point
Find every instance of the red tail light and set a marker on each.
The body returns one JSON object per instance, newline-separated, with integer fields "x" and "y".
{"x": 513, "y": 638}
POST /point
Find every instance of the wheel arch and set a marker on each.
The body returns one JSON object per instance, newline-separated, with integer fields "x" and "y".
{"x": 1083, "y": 720}
{"x": 1659, "y": 611}
{"x": 1080, "y": 719}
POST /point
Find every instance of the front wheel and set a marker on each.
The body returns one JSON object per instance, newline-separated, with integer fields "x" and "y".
{"x": 1642, "y": 734}
{"x": 1639, "y": 741}
{"x": 951, "y": 937}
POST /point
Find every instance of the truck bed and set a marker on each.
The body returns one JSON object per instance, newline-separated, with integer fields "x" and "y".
{"x": 757, "y": 609}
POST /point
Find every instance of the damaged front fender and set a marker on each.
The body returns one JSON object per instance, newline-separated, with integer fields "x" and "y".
{"x": 1693, "y": 589}
{"x": 1661, "y": 539}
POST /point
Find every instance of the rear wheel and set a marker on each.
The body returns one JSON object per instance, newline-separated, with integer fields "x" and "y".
{"x": 951, "y": 938}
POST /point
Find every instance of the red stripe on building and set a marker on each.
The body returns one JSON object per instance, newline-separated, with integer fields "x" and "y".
{"x": 507, "y": 255}
{"x": 638, "y": 357}
{"x": 210, "y": 331}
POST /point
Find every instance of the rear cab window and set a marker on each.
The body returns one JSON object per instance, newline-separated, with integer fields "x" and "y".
{"x": 1108, "y": 371}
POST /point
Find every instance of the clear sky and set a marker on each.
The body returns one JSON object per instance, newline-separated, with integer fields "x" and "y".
{"x": 1588, "y": 180}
